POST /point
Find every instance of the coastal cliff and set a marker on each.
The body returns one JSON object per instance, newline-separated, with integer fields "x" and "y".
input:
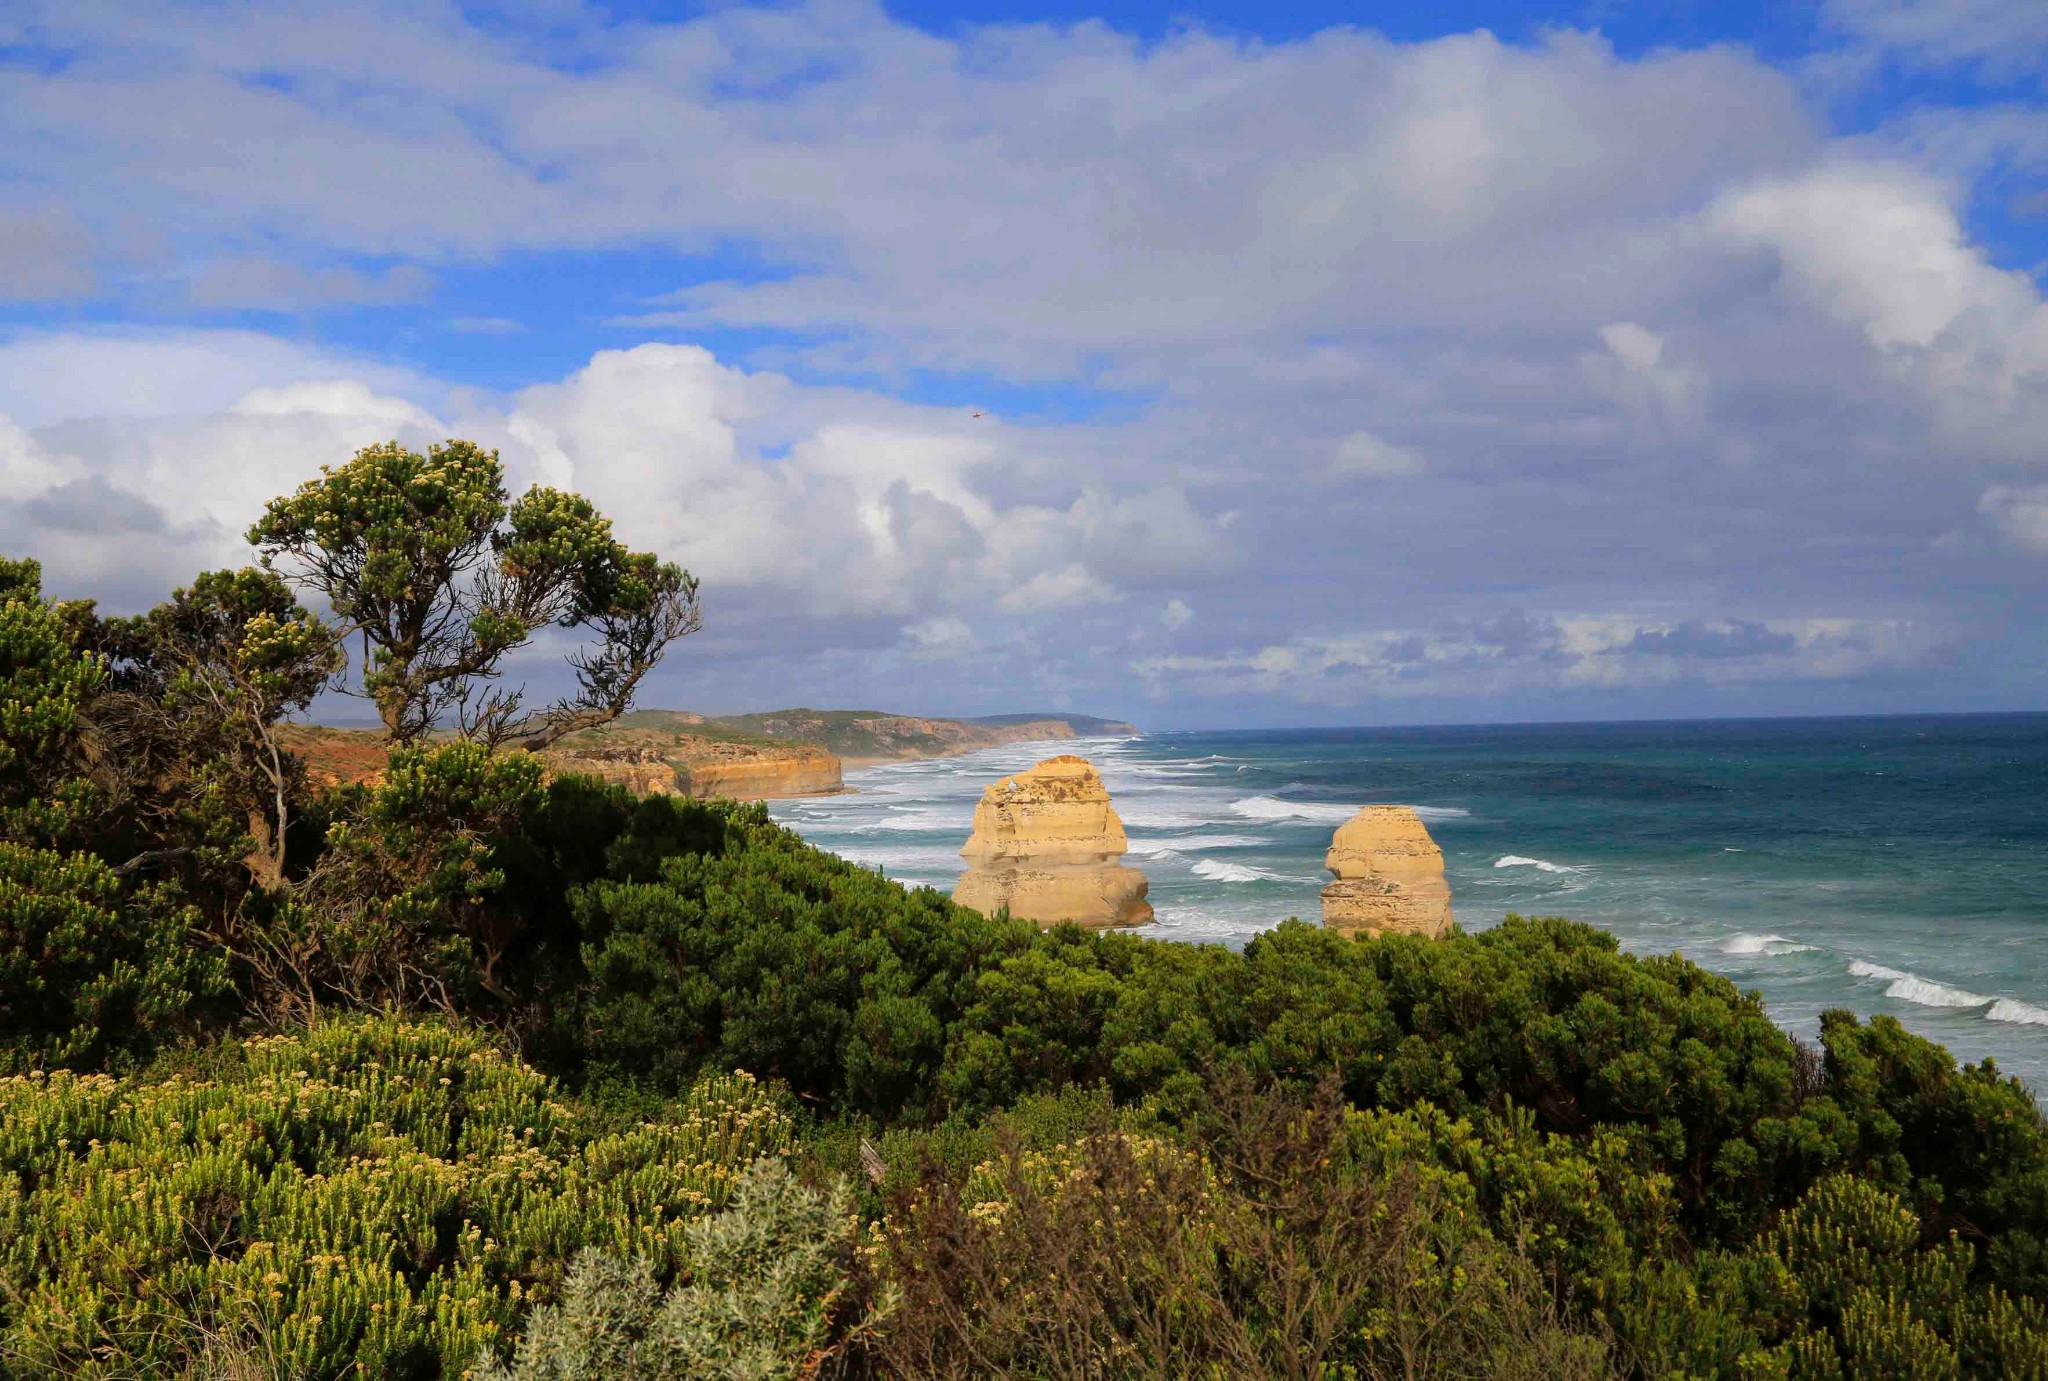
{"x": 1390, "y": 876}
{"x": 676, "y": 765}
{"x": 748, "y": 757}
{"x": 1046, "y": 844}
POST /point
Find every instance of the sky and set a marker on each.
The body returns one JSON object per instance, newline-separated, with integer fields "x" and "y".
{"x": 1230, "y": 365}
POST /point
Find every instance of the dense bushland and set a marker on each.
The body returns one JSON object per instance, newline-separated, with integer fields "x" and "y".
{"x": 369, "y": 1193}
{"x": 444, "y": 1071}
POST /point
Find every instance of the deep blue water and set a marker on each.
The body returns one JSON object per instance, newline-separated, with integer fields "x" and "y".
{"x": 1895, "y": 865}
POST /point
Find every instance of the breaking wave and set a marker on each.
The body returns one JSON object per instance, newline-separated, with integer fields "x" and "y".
{"x": 1763, "y": 944}
{"x": 1218, "y": 871}
{"x": 1910, "y": 987}
{"x": 1541, "y": 865}
{"x": 2017, "y": 1012}
{"x": 1273, "y": 808}
{"x": 1159, "y": 848}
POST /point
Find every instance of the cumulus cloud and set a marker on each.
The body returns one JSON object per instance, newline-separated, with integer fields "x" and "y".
{"x": 1603, "y": 331}
{"x": 1362, "y": 453}
{"x": 812, "y": 504}
{"x": 2020, "y": 514}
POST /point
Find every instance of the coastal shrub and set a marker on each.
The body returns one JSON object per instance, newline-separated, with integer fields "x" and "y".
{"x": 370, "y": 1194}
{"x": 894, "y": 1004}
{"x": 1845, "y": 1283}
{"x": 770, "y": 1294}
{"x": 1285, "y": 1239}
{"x": 773, "y": 956}
{"x": 88, "y": 976}
{"x": 46, "y": 677}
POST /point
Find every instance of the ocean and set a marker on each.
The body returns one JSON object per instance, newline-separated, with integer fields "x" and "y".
{"x": 1896, "y": 865}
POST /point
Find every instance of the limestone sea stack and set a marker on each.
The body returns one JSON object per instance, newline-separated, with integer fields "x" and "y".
{"x": 1046, "y": 844}
{"x": 1390, "y": 876}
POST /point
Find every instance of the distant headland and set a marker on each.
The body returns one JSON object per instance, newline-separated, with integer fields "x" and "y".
{"x": 774, "y": 753}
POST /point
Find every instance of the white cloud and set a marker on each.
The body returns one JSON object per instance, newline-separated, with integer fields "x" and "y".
{"x": 1879, "y": 248}
{"x": 51, "y": 376}
{"x": 2020, "y": 513}
{"x": 1065, "y": 588}
{"x": 25, "y": 469}
{"x": 1636, "y": 372}
{"x": 1362, "y": 453}
{"x": 1645, "y": 334}
{"x": 2003, "y": 37}
{"x": 817, "y": 504}
{"x": 944, "y": 637}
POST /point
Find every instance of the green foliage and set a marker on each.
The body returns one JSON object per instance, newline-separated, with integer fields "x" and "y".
{"x": 443, "y": 575}
{"x": 768, "y": 1296}
{"x": 402, "y": 910}
{"x": 1845, "y": 1283}
{"x": 45, "y": 680}
{"x": 88, "y": 976}
{"x": 769, "y": 955}
{"x": 369, "y": 1194}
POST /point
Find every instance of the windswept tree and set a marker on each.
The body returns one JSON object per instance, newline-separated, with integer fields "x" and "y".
{"x": 428, "y": 560}
{"x": 189, "y": 727}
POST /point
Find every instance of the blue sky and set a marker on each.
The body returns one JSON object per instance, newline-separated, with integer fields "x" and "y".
{"x": 1333, "y": 363}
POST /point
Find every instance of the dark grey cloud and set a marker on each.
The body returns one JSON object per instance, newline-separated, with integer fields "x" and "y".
{"x": 1696, "y": 638}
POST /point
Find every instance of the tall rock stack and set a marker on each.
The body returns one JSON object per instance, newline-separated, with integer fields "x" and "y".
{"x": 1046, "y": 844}
{"x": 1390, "y": 876}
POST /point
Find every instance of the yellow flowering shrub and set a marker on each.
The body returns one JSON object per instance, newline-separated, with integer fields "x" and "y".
{"x": 371, "y": 1193}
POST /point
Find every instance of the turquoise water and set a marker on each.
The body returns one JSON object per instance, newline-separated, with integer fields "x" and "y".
{"x": 1895, "y": 865}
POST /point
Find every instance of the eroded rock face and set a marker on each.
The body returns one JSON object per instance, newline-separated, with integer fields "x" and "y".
{"x": 1390, "y": 876}
{"x": 1045, "y": 844}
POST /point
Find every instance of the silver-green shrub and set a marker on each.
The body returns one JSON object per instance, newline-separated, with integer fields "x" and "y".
{"x": 766, "y": 1277}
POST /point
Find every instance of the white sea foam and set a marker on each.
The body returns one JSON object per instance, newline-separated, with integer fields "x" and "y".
{"x": 1440, "y": 812}
{"x": 1540, "y": 865}
{"x": 1216, "y": 870}
{"x": 1910, "y": 987}
{"x": 1273, "y": 808}
{"x": 2020, "y": 1013}
{"x": 1153, "y": 848}
{"x": 1762, "y": 944}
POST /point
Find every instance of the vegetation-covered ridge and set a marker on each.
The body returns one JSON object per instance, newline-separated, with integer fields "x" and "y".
{"x": 879, "y": 736}
{"x": 477, "y": 1070}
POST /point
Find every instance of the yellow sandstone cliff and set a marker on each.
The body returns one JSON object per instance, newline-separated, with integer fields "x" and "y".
{"x": 1046, "y": 844}
{"x": 679, "y": 765}
{"x": 1390, "y": 876}
{"x": 704, "y": 768}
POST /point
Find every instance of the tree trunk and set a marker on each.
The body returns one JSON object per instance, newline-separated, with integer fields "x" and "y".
{"x": 265, "y": 862}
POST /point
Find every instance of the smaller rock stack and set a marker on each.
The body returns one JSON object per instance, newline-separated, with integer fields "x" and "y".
{"x": 1390, "y": 876}
{"x": 1046, "y": 844}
